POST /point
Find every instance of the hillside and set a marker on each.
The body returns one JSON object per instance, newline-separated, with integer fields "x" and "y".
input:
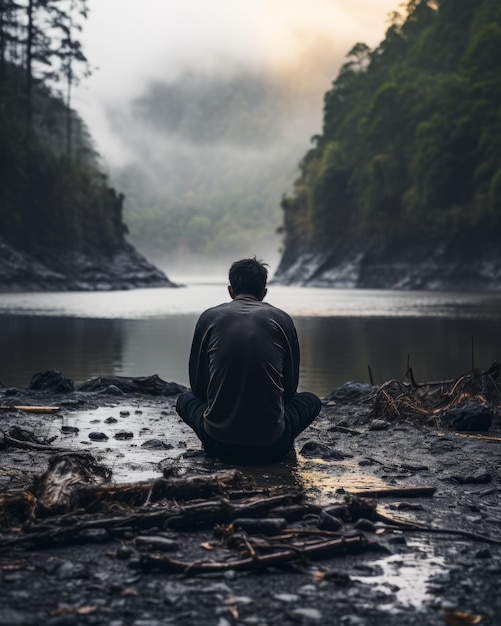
{"x": 403, "y": 186}
{"x": 61, "y": 224}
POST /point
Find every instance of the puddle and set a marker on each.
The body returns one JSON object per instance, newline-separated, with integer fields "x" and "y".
{"x": 405, "y": 577}
{"x": 127, "y": 429}
{"x": 324, "y": 480}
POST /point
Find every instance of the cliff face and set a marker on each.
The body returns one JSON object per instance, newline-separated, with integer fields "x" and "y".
{"x": 45, "y": 269}
{"x": 403, "y": 187}
{"x": 439, "y": 269}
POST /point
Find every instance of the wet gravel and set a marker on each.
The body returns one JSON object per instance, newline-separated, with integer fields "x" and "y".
{"x": 424, "y": 578}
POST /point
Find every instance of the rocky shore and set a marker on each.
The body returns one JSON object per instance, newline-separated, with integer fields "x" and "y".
{"x": 427, "y": 523}
{"x": 437, "y": 268}
{"x": 43, "y": 269}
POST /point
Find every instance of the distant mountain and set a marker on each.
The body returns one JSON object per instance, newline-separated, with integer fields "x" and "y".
{"x": 403, "y": 187}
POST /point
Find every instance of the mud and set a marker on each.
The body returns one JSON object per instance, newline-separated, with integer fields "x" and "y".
{"x": 423, "y": 578}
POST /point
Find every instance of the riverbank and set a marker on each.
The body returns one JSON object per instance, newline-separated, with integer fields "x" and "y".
{"x": 93, "y": 269}
{"x": 419, "y": 575}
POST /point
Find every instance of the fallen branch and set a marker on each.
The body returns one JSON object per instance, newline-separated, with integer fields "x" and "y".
{"x": 482, "y": 437}
{"x": 324, "y": 549}
{"x": 412, "y": 526}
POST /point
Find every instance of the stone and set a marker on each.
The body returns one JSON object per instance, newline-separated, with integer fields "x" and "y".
{"x": 351, "y": 391}
{"x": 124, "y": 434}
{"x": 305, "y": 615}
{"x": 52, "y": 380}
{"x": 328, "y": 522}
{"x": 313, "y": 448}
{"x": 378, "y": 424}
{"x": 96, "y": 436}
{"x": 470, "y": 417}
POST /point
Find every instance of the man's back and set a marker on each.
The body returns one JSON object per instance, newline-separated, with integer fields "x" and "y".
{"x": 245, "y": 362}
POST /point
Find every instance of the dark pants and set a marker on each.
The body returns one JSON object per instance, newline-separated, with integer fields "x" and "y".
{"x": 300, "y": 411}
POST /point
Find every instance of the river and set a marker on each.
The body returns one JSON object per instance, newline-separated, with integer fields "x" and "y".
{"x": 342, "y": 332}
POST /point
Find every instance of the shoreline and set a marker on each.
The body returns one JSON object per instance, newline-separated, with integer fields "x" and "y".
{"x": 347, "y": 449}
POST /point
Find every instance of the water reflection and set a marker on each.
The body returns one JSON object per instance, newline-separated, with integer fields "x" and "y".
{"x": 149, "y": 332}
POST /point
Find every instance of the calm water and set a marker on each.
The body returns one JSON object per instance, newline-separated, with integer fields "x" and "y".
{"x": 341, "y": 332}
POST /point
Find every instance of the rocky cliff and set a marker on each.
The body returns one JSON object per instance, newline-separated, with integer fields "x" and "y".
{"x": 438, "y": 268}
{"x": 46, "y": 269}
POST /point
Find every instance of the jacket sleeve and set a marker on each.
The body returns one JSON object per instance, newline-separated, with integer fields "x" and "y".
{"x": 199, "y": 363}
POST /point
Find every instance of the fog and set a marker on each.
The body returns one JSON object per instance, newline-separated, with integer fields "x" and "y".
{"x": 202, "y": 111}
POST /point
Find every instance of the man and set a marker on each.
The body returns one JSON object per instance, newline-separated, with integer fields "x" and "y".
{"x": 244, "y": 370}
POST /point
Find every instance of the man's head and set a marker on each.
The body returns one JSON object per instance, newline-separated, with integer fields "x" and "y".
{"x": 248, "y": 276}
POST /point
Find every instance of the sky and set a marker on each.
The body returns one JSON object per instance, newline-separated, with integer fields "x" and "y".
{"x": 301, "y": 43}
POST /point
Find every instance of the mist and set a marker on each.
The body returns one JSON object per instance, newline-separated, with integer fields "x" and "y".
{"x": 205, "y": 139}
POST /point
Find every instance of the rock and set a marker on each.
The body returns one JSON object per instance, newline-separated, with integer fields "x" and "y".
{"x": 364, "y": 524}
{"x": 313, "y": 448}
{"x": 351, "y": 391}
{"x": 471, "y": 416}
{"x": 378, "y": 424}
{"x": 124, "y": 434}
{"x": 479, "y": 477}
{"x": 305, "y": 615}
{"x": 96, "y": 436}
{"x": 113, "y": 390}
{"x": 484, "y": 554}
{"x": 70, "y": 430}
{"x": 110, "y": 420}
{"x": 155, "y": 444}
{"x": 286, "y": 597}
{"x": 52, "y": 380}
{"x": 328, "y": 522}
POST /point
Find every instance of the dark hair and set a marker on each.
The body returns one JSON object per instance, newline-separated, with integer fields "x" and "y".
{"x": 248, "y": 276}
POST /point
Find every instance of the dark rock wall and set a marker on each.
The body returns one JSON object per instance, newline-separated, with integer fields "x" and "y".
{"x": 48, "y": 269}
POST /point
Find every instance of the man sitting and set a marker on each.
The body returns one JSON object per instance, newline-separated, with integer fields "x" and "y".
{"x": 244, "y": 370}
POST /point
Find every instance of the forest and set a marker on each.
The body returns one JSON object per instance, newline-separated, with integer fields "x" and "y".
{"x": 53, "y": 194}
{"x": 408, "y": 157}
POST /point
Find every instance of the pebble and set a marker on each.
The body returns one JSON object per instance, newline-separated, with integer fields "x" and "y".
{"x": 111, "y": 420}
{"x": 313, "y": 448}
{"x": 153, "y": 444}
{"x": 484, "y": 554}
{"x": 124, "y": 413}
{"x": 96, "y": 436}
{"x": 378, "y": 424}
{"x": 328, "y": 522}
{"x": 124, "y": 434}
{"x": 306, "y": 615}
{"x": 286, "y": 597}
{"x": 69, "y": 430}
{"x": 364, "y": 524}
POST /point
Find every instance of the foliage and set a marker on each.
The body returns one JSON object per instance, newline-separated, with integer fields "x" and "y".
{"x": 52, "y": 193}
{"x": 409, "y": 152}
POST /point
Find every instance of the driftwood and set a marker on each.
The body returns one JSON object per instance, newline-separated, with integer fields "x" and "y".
{"x": 324, "y": 549}
{"x": 442, "y": 403}
{"x": 413, "y": 526}
{"x": 76, "y": 481}
{"x": 204, "y": 514}
{"x": 31, "y": 409}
